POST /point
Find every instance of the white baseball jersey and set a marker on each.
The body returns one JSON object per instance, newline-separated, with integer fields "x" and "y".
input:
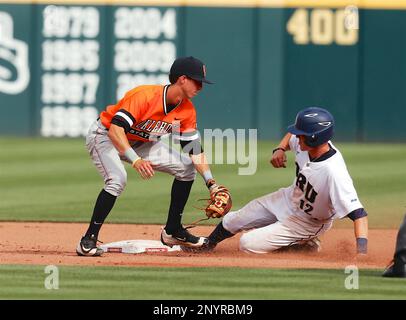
{"x": 322, "y": 191}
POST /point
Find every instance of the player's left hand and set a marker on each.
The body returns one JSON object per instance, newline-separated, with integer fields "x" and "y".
{"x": 361, "y": 258}
{"x": 220, "y": 201}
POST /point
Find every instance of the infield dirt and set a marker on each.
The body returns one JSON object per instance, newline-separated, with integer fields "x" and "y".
{"x": 54, "y": 243}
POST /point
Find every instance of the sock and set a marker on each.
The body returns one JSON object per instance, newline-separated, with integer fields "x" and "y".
{"x": 179, "y": 196}
{"x": 219, "y": 234}
{"x": 104, "y": 203}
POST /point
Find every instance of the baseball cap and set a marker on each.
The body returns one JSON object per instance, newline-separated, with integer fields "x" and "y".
{"x": 190, "y": 67}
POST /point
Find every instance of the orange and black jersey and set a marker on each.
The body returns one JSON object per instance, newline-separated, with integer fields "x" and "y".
{"x": 145, "y": 116}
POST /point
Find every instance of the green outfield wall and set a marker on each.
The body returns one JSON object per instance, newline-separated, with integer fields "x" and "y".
{"x": 61, "y": 62}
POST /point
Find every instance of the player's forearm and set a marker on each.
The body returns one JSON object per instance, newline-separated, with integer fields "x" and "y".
{"x": 361, "y": 227}
{"x": 202, "y": 167}
{"x": 118, "y": 138}
{"x": 200, "y": 163}
{"x": 284, "y": 143}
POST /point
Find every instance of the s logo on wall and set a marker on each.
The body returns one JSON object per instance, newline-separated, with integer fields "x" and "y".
{"x": 14, "y": 69}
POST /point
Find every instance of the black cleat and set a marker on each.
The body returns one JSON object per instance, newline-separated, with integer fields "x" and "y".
{"x": 182, "y": 237}
{"x": 88, "y": 247}
{"x": 395, "y": 270}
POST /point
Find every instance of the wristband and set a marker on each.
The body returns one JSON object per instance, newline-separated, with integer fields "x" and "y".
{"x": 131, "y": 155}
{"x": 278, "y": 148}
{"x": 207, "y": 176}
{"x": 362, "y": 245}
{"x": 210, "y": 184}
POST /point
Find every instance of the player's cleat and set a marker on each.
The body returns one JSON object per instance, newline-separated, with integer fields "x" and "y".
{"x": 395, "y": 270}
{"x": 181, "y": 237}
{"x": 312, "y": 245}
{"x": 88, "y": 247}
{"x": 205, "y": 247}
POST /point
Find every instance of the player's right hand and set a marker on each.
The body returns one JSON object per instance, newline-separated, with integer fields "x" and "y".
{"x": 279, "y": 159}
{"x": 144, "y": 168}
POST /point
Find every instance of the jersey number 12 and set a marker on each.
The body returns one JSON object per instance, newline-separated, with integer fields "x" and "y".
{"x": 306, "y": 207}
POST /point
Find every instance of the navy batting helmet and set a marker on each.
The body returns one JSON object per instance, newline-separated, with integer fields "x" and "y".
{"x": 316, "y": 124}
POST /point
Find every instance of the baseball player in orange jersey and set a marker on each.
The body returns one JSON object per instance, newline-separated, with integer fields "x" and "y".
{"x": 131, "y": 131}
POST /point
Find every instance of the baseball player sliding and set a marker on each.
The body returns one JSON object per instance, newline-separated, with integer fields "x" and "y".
{"x": 321, "y": 192}
{"x": 131, "y": 131}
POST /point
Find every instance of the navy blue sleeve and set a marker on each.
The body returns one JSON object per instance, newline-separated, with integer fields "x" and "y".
{"x": 356, "y": 214}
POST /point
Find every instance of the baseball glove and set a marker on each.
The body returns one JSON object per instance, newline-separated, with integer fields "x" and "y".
{"x": 219, "y": 203}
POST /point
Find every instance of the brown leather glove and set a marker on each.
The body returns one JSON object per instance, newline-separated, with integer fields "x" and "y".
{"x": 220, "y": 201}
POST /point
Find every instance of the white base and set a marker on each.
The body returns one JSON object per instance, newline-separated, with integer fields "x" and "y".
{"x": 138, "y": 246}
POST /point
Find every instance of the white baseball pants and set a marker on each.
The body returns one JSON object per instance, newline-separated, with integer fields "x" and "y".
{"x": 267, "y": 233}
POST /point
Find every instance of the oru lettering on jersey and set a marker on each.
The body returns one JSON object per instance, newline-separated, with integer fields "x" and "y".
{"x": 309, "y": 193}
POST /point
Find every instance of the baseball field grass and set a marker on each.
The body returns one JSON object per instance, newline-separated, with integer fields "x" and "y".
{"x": 54, "y": 180}
{"x": 28, "y": 282}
